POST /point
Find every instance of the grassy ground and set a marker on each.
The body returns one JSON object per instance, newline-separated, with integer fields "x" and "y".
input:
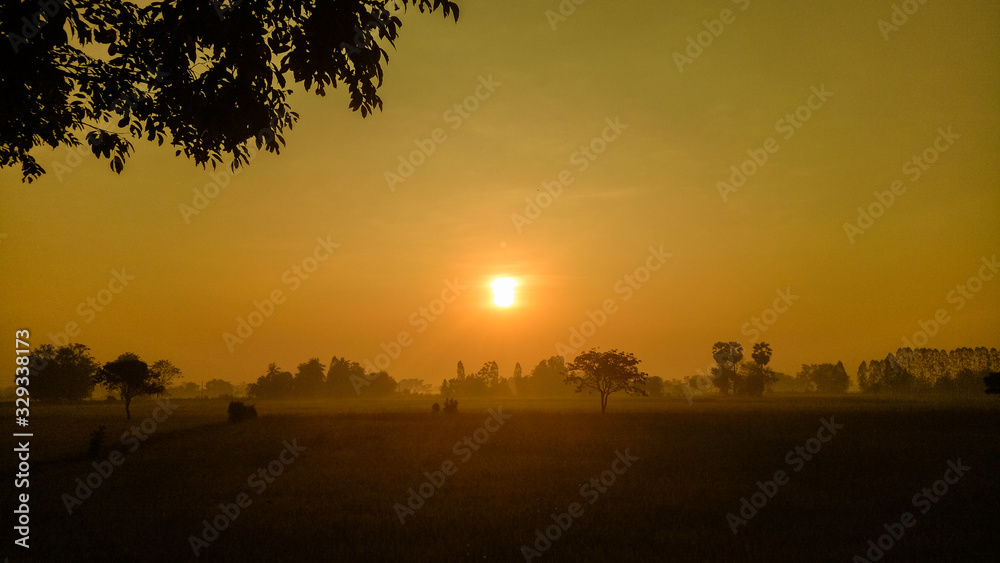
{"x": 335, "y": 500}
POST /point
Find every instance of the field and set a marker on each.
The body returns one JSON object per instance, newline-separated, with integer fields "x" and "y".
{"x": 672, "y": 473}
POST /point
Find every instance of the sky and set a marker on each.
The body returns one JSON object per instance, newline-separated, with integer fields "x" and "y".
{"x": 594, "y": 155}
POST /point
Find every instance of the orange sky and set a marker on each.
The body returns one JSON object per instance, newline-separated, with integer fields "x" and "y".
{"x": 596, "y": 111}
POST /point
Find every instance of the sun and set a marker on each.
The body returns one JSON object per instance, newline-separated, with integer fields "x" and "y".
{"x": 503, "y": 291}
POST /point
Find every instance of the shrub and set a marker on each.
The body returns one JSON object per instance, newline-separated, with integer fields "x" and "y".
{"x": 435, "y": 408}
{"x": 96, "y": 440}
{"x": 239, "y": 412}
{"x": 450, "y": 405}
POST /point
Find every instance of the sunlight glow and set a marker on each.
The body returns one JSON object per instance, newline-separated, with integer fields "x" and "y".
{"x": 503, "y": 291}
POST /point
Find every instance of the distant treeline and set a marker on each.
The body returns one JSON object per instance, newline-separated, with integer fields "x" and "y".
{"x": 925, "y": 370}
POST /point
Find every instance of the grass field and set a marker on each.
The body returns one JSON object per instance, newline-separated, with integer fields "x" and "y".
{"x": 335, "y": 495}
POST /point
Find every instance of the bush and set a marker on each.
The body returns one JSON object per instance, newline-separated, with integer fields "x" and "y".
{"x": 450, "y": 405}
{"x": 435, "y": 408}
{"x": 96, "y": 440}
{"x": 239, "y": 412}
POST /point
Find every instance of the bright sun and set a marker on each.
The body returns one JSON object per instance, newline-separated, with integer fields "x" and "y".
{"x": 503, "y": 291}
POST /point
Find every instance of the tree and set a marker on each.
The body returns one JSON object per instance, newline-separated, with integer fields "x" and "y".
{"x": 208, "y": 76}
{"x": 460, "y": 371}
{"x": 761, "y": 353}
{"x": 309, "y": 378}
{"x": 414, "y": 387}
{"x": 339, "y": 374}
{"x": 606, "y": 373}
{"x": 164, "y": 372}
{"x": 826, "y": 378}
{"x": 992, "y": 382}
{"x": 382, "y": 385}
{"x": 131, "y": 378}
{"x": 654, "y": 386}
{"x": 219, "y": 388}
{"x": 548, "y": 378}
{"x": 68, "y": 372}
{"x": 726, "y": 355}
{"x": 275, "y": 384}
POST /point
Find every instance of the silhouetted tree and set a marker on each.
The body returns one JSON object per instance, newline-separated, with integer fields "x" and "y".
{"x": 413, "y": 387}
{"x": 761, "y": 353}
{"x": 219, "y": 388}
{"x": 460, "y": 371}
{"x": 204, "y": 76}
{"x": 726, "y": 355}
{"x": 548, "y": 378}
{"x": 383, "y": 385}
{"x": 275, "y": 384}
{"x": 68, "y": 373}
{"x": 992, "y": 382}
{"x": 130, "y": 377}
{"x": 339, "y": 374}
{"x": 606, "y": 373}
{"x": 826, "y": 378}
{"x": 309, "y": 379}
{"x": 654, "y": 386}
{"x": 164, "y": 372}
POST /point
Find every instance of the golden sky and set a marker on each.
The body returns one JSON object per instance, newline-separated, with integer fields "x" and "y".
{"x": 634, "y": 126}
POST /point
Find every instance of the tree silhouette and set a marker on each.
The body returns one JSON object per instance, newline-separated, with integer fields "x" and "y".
{"x": 761, "y": 353}
{"x": 164, "y": 372}
{"x": 726, "y": 355}
{"x": 131, "y": 378}
{"x": 275, "y": 384}
{"x": 64, "y": 373}
{"x": 309, "y": 378}
{"x": 992, "y": 382}
{"x": 339, "y": 374}
{"x": 606, "y": 373}
{"x": 206, "y": 77}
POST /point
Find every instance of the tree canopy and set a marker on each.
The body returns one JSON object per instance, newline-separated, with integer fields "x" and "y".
{"x": 131, "y": 378}
{"x": 606, "y": 373}
{"x": 205, "y": 77}
{"x": 64, "y": 373}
